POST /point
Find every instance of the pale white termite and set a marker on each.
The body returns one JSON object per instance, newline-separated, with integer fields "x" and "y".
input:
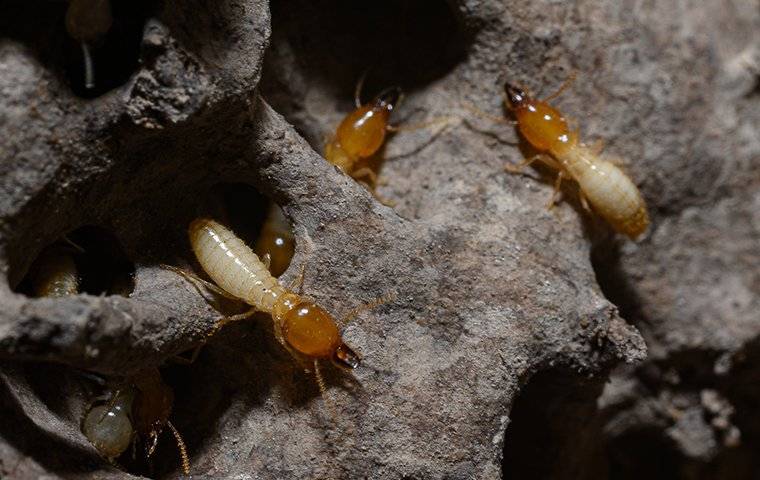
{"x": 307, "y": 330}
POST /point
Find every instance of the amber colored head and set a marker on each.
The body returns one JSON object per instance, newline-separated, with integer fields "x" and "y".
{"x": 542, "y": 125}
{"x": 312, "y": 332}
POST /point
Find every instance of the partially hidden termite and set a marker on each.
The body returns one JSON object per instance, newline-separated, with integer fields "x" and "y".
{"x": 54, "y": 273}
{"x": 276, "y": 241}
{"x": 304, "y": 328}
{"x": 87, "y": 21}
{"x": 140, "y": 409}
{"x": 602, "y": 184}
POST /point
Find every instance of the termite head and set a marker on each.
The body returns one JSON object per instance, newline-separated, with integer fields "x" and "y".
{"x": 311, "y": 331}
{"x": 388, "y": 99}
{"x": 516, "y": 96}
{"x": 345, "y": 357}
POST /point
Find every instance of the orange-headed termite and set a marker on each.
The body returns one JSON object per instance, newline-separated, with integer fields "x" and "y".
{"x": 276, "y": 241}
{"x": 304, "y": 328}
{"x": 87, "y": 21}
{"x": 602, "y": 184}
{"x": 362, "y": 132}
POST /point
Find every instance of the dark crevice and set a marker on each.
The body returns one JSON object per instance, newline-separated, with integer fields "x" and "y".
{"x": 41, "y": 27}
{"x": 99, "y": 263}
{"x": 116, "y": 56}
{"x": 614, "y": 283}
{"x": 239, "y": 206}
{"x": 555, "y": 431}
{"x": 396, "y": 43}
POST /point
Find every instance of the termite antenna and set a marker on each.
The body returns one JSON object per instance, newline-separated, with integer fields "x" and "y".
{"x": 73, "y": 245}
{"x": 565, "y": 85}
{"x": 181, "y": 447}
{"x": 89, "y": 71}
{"x": 359, "y": 87}
{"x": 352, "y": 314}
{"x": 152, "y": 447}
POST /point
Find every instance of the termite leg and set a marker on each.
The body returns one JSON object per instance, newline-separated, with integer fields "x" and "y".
{"x": 198, "y": 282}
{"x": 181, "y": 447}
{"x": 557, "y": 187}
{"x": 297, "y": 283}
{"x": 152, "y": 448}
{"x": 267, "y": 260}
{"x": 565, "y": 85}
{"x": 73, "y": 244}
{"x": 110, "y": 405}
{"x": 365, "y": 172}
{"x": 597, "y": 147}
{"x": 89, "y": 72}
{"x": 352, "y": 314}
{"x": 520, "y": 167}
{"x": 232, "y": 318}
{"x": 480, "y": 113}
{"x": 584, "y": 203}
{"x": 374, "y": 181}
{"x": 419, "y": 126}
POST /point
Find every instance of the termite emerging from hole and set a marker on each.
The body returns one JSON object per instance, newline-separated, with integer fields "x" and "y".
{"x": 361, "y": 134}
{"x": 140, "y": 409}
{"x": 602, "y": 184}
{"x": 304, "y": 328}
{"x": 276, "y": 241}
{"x": 88, "y": 21}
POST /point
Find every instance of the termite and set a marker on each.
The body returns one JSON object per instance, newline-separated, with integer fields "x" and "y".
{"x": 276, "y": 241}
{"x": 362, "y": 133}
{"x": 602, "y": 184}
{"x": 304, "y": 328}
{"x": 87, "y": 21}
{"x": 54, "y": 273}
{"x": 140, "y": 410}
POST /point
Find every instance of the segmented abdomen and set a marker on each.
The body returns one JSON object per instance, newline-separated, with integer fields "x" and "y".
{"x": 232, "y": 264}
{"x": 612, "y": 194}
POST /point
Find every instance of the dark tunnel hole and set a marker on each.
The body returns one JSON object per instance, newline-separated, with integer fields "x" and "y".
{"x": 555, "y": 430}
{"x": 395, "y": 43}
{"x": 642, "y": 453}
{"x": 41, "y": 27}
{"x": 614, "y": 283}
{"x": 99, "y": 263}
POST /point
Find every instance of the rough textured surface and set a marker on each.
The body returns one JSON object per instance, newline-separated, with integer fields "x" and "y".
{"x": 499, "y": 323}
